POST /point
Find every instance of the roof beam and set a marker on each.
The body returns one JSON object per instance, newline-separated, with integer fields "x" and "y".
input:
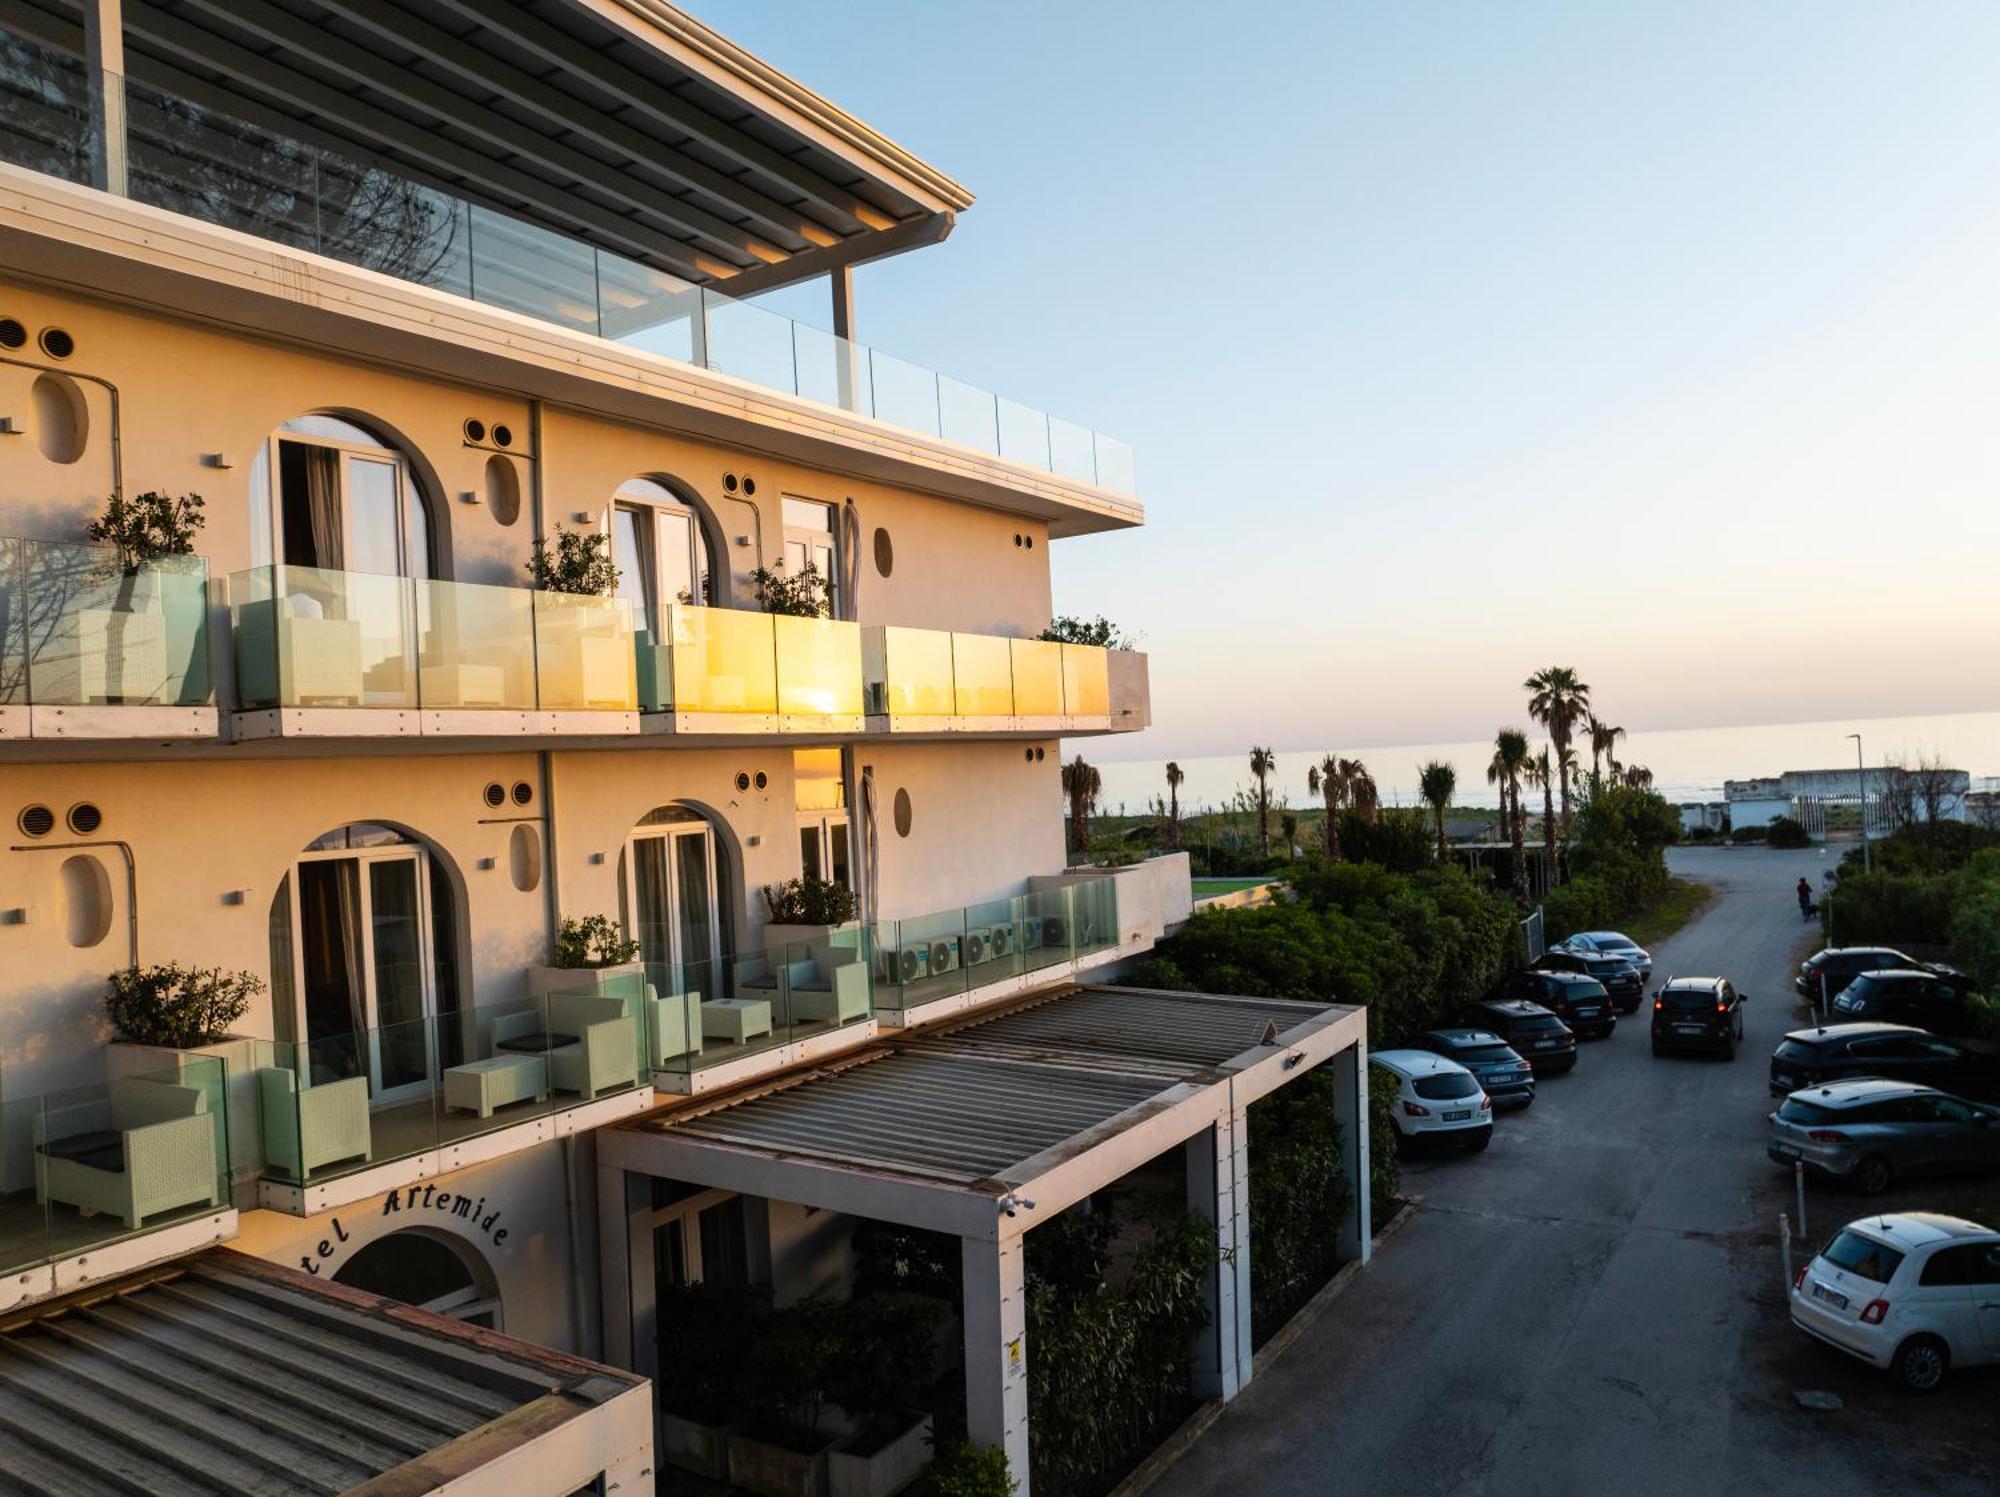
{"x": 394, "y": 22}
{"x": 504, "y": 183}
{"x": 851, "y": 213}
{"x": 287, "y": 31}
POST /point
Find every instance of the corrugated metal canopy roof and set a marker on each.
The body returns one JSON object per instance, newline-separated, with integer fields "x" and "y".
{"x": 975, "y": 1099}
{"x": 225, "y": 1374}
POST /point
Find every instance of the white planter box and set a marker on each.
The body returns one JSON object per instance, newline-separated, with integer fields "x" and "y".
{"x": 700, "y": 1448}
{"x": 777, "y": 935}
{"x": 543, "y": 981}
{"x": 888, "y": 1470}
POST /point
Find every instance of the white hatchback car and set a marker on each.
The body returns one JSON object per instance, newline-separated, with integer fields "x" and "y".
{"x": 1915, "y": 1292}
{"x": 1437, "y": 1098}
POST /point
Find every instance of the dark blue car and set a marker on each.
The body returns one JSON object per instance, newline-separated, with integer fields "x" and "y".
{"x": 1506, "y": 1078}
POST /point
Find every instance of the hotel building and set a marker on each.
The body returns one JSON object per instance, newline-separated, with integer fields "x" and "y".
{"x": 400, "y": 290}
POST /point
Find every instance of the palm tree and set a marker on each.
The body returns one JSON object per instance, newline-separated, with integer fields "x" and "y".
{"x": 1174, "y": 779}
{"x": 1542, "y": 774}
{"x": 1263, "y": 764}
{"x": 1559, "y": 702}
{"x": 1081, "y": 783}
{"x": 1323, "y": 779}
{"x": 1361, "y": 793}
{"x": 1638, "y": 777}
{"x": 1510, "y": 758}
{"x": 1436, "y": 782}
{"x": 1611, "y": 737}
{"x": 1289, "y": 825}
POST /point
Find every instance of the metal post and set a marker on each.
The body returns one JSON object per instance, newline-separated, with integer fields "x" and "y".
{"x": 1799, "y": 1181}
{"x": 1861, "y": 779}
{"x": 104, "y": 49}
{"x": 1785, "y": 1244}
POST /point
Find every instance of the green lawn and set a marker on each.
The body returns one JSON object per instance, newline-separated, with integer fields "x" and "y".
{"x": 1681, "y": 903}
{"x": 1204, "y": 887}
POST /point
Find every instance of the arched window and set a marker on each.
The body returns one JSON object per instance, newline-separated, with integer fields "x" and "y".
{"x": 660, "y": 543}
{"x": 427, "y": 1270}
{"x": 331, "y": 495}
{"x": 672, "y": 882}
{"x": 364, "y": 953}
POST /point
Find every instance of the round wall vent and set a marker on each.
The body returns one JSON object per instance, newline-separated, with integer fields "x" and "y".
{"x": 729, "y": 483}
{"x": 1038, "y": 755}
{"x": 762, "y": 779}
{"x": 12, "y": 333}
{"x": 85, "y": 818}
{"x": 1031, "y": 755}
{"x": 503, "y": 436}
{"x": 523, "y": 792}
{"x": 742, "y": 781}
{"x": 496, "y": 795}
{"x": 475, "y": 430}
{"x": 37, "y": 821}
{"x": 56, "y": 343}
{"x": 749, "y": 484}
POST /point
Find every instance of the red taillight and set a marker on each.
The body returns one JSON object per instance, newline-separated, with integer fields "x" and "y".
{"x": 1876, "y": 1313}
{"x": 1658, "y": 1005}
{"x": 1412, "y": 1110}
{"x": 1485, "y": 1103}
{"x": 1799, "y": 1278}
{"x": 1827, "y": 1136}
{"x": 1721, "y": 1007}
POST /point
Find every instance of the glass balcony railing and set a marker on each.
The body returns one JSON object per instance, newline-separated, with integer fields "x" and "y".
{"x": 94, "y": 1164}
{"x": 77, "y": 630}
{"x": 734, "y": 663}
{"x": 351, "y": 1099}
{"x": 919, "y": 674}
{"x": 709, "y": 1013}
{"x": 206, "y": 165}
{"x": 928, "y": 957}
{"x": 307, "y": 637}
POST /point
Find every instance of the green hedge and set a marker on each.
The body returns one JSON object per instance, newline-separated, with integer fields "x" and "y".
{"x": 1890, "y": 909}
{"x": 1299, "y": 1199}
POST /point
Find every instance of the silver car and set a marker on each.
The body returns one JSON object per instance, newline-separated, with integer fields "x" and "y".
{"x": 1870, "y": 1132}
{"x": 1612, "y": 943}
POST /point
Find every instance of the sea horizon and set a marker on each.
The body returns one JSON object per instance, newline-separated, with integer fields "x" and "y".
{"x": 1688, "y": 764}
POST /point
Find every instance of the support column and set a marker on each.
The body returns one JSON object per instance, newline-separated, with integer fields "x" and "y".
{"x": 628, "y": 1310}
{"x": 1350, "y": 1110}
{"x": 996, "y": 1349}
{"x": 850, "y": 374}
{"x": 104, "y": 60}
{"x": 1218, "y": 1191}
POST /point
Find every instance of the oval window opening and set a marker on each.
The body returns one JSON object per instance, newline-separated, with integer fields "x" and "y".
{"x": 503, "y": 490}
{"x": 62, "y": 421}
{"x": 86, "y": 889}
{"x": 524, "y": 859}
{"x": 902, "y": 813}
{"x": 885, "y": 552}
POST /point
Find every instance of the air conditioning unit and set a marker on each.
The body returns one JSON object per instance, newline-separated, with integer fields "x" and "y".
{"x": 1053, "y": 931}
{"x": 1000, "y": 940}
{"x": 905, "y": 964}
{"x": 975, "y": 947}
{"x": 944, "y": 956}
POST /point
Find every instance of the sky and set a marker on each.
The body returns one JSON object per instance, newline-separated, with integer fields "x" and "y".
{"x": 1458, "y": 340}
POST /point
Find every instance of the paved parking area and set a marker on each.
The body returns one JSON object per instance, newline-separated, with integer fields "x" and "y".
{"x": 1594, "y": 1305}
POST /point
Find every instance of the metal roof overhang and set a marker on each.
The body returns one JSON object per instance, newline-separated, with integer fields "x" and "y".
{"x": 988, "y": 1125}
{"x": 224, "y": 1374}
{"x": 623, "y": 123}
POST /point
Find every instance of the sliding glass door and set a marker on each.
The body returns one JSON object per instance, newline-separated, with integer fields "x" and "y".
{"x": 674, "y": 913}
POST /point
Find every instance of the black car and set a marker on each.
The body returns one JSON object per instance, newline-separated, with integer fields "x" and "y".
{"x": 1823, "y": 974}
{"x": 1896, "y": 1052}
{"x": 1697, "y": 1013}
{"x": 1580, "y": 1002}
{"x": 1922, "y": 998}
{"x": 1507, "y": 1079}
{"x": 1621, "y": 978}
{"x": 1537, "y": 1036}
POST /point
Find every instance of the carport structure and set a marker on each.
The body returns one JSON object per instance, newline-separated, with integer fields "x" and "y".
{"x": 986, "y": 1126}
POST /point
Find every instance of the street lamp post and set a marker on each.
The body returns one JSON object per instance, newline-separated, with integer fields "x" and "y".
{"x": 1861, "y": 780}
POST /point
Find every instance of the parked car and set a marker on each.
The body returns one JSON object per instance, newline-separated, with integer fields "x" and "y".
{"x": 1839, "y": 1052}
{"x": 1580, "y": 1002}
{"x": 1917, "y": 1293}
{"x": 1437, "y": 1100}
{"x": 1502, "y": 1074}
{"x": 1612, "y": 943}
{"x": 1538, "y": 1036}
{"x": 1619, "y": 977}
{"x": 1840, "y": 965}
{"x": 1697, "y": 1013}
{"x": 1871, "y": 1132}
{"x": 1905, "y": 997}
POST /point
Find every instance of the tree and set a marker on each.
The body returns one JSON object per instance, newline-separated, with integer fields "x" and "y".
{"x": 1289, "y": 825}
{"x": 1361, "y": 792}
{"x": 1323, "y": 779}
{"x": 1603, "y": 745}
{"x": 1100, "y": 631}
{"x": 1510, "y": 758}
{"x": 1263, "y": 764}
{"x": 1636, "y": 777}
{"x": 1543, "y": 775}
{"x": 1436, "y": 782}
{"x": 1559, "y": 702}
{"x": 1174, "y": 779}
{"x": 1081, "y": 783}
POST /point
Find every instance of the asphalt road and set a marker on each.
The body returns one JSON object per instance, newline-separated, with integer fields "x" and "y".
{"x": 1594, "y": 1304}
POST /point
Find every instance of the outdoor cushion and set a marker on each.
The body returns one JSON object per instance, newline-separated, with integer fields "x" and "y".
{"x": 101, "y": 1149}
{"x": 537, "y": 1042}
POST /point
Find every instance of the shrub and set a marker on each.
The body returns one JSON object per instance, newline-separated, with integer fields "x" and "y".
{"x": 810, "y": 901}
{"x": 148, "y": 527}
{"x": 1923, "y": 848}
{"x": 1911, "y": 909}
{"x": 178, "y": 1007}
{"x": 1385, "y": 1165}
{"x": 1399, "y": 839}
{"x": 1299, "y": 1197}
{"x": 962, "y": 1469}
{"x": 1747, "y": 834}
{"x": 1064, "y": 629}
{"x": 594, "y": 941}
{"x": 1785, "y": 832}
{"x": 803, "y": 596}
{"x": 581, "y": 563}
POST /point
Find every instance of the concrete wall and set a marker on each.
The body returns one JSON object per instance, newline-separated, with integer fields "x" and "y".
{"x": 811, "y": 1252}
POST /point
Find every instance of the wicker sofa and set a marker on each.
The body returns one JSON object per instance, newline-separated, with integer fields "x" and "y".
{"x": 590, "y": 1042}
{"x": 829, "y": 985}
{"x": 143, "y": 1148}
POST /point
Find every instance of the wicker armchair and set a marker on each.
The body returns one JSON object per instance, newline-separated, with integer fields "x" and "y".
{"x": 143, "y": 1148}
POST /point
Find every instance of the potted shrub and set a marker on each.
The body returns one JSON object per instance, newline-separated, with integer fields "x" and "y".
{"x": 591, "y": 954}
{"x": 164, "y": 1015}
{"x": 805, "y": 910}
{"x": 802, "y": 597}
{"x": 119, "y": 647}
{"x": 966, "y": 1470}
{"x": 583, "y": 645}
{"x": 780, "y": 1449}
{"x": 879, "y": 1381}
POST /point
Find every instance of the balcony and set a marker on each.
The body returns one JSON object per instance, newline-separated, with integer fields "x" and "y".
{"x": 90, "y": 651}
{"x": 926, "y": 681}
{"x": 729, "y": 670}
{"x": 929, "y": 964}
{"x": 96, "y": 1180}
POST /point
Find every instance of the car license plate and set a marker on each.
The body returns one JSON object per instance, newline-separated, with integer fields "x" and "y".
{"x": 1821, "y": 1292}
{"x": 1790, "y": 1151}
{"x": 1547, "y": 1044}
{"x": 1687, "y": 1029}
{"x": 1458, "y": 1117}
{"x": 1784, "y": 1078}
